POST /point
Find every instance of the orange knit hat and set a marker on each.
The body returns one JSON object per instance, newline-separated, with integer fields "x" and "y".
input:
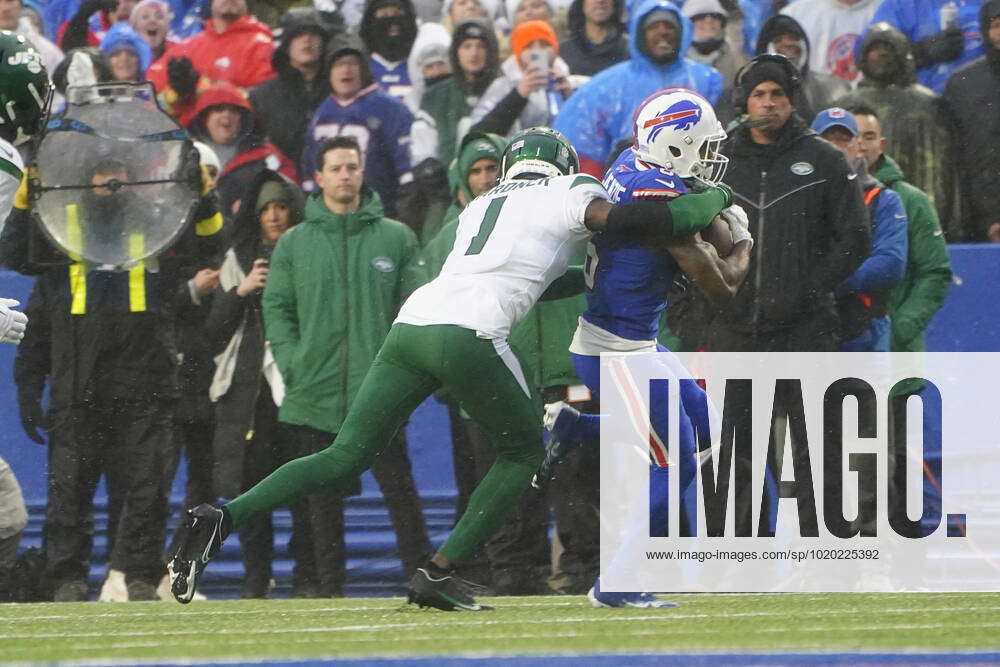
{"x": 527, "y": 32}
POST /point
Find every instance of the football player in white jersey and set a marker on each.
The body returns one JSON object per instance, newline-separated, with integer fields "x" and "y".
{"x": 25, "y": 94}
{"x": 512, "y": 242}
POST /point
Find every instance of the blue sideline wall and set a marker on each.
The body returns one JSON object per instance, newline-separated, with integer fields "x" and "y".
{"x": 969, "y": 321}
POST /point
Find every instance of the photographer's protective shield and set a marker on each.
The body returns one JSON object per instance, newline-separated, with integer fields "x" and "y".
{"x": 114, "y": 181}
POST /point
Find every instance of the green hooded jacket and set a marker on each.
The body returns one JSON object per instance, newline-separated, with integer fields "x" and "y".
{"x": 923, "y": 288}
{"x": 333, "y": 290}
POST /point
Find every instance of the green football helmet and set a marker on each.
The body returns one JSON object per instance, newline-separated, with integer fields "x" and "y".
{"x": 25, "y": 89}
{"x": 541, "y": 151}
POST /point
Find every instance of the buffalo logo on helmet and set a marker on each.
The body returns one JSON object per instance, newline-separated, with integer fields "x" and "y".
{"x": 681, "y": 116}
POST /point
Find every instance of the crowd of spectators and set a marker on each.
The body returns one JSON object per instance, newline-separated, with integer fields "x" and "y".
{"x": 356, "y": 132}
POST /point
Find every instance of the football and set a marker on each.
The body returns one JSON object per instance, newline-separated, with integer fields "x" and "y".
{"x": 717, "y": 233}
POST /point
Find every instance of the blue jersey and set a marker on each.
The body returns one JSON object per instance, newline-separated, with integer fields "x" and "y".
{"x": 393, "y": 78}
{"x": 381, "y": 124}
{"x": 627, "y": 283}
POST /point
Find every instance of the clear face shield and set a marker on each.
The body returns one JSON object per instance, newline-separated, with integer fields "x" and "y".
{"x": 113, "y": 181}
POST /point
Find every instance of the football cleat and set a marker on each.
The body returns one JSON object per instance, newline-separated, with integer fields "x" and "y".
{"x": 443, "y": 591}
{"x": 600, "y": 599}
{"x": 559, "y": 420}
{"x": 198, "y": 540}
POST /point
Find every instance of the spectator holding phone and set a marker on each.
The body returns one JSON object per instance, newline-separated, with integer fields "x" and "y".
{"x": 531, "y": 87}
{"x": 247, "y": 387}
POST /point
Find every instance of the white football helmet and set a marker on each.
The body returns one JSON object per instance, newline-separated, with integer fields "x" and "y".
{"x": 677, "y": 129}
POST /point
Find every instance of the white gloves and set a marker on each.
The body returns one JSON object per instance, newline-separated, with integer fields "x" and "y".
{"x": 739, "y": 224}
{"x": 12, "y": 322}
{"x": 81, "y": 71}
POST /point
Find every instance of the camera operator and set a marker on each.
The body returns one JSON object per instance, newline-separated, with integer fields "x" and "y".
{"x": 113, "y": 376}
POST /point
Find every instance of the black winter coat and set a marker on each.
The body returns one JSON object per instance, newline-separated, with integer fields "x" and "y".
{"x": 110, "y": 352}
{"x": 285, "y": 104}
{"x": 808, "y": 222}
{"x": 972, "y": 104}
{"x": 235, "y": 410}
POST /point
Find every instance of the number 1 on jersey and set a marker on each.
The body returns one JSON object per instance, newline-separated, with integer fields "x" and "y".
{"x": 590, "y": 266}
{"x": 486, "y": 227}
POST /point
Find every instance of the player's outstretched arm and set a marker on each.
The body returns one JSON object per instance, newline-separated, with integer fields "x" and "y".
{"x": 652, "y": 222}
{"x": 718, "y": 278}
{"x": 568, "y": 284}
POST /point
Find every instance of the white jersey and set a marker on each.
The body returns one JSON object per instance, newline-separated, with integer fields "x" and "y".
{"x": 511, "y": 243}
{"x": 11, "y": 168}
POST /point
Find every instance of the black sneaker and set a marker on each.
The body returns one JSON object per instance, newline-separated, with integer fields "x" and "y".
{"x": 432, "y": 587}
{"x": 198, "y": 539}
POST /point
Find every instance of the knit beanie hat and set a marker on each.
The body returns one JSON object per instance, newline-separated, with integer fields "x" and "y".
{"x": 269, "y": 192}
{"x": 658, "y": 15}
{"x": 528, "y": 32}
{"x": 475, "y": 146}
{"x": 766, "y": 71}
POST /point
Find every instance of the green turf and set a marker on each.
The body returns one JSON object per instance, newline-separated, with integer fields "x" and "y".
{"x": 386, "y": 627}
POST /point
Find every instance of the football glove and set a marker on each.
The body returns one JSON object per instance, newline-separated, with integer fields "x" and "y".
{"x": 739, "y": 224}
{"x": 12, "y": 322}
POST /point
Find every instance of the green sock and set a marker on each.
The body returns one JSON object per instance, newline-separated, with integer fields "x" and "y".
{"x": 328, "y": 469}
{"x": 495, "y": 497}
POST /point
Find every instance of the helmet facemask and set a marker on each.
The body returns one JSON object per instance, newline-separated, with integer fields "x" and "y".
{"x": 35, "y": 122}
{"x": 711, "y": 165}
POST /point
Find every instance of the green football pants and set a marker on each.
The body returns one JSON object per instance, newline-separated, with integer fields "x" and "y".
{"x": 414, "y": 361}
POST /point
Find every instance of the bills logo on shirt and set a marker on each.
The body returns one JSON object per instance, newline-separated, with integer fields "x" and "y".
{"x": 840, "y": 57}
{"x": 681, "y": 116}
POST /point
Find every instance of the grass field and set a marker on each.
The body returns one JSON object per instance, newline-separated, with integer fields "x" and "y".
{"x": 256, "y": 630}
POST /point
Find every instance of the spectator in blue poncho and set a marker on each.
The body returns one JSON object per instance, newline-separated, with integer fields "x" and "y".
{"x": 599, "y": 114}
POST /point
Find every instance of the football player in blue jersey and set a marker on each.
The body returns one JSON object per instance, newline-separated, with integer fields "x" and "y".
{"x": 675, "y": 151}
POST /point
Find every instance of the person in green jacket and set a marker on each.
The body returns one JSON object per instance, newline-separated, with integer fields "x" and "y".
{"x": 922, "y": 291}
{"x": 332, "y": 293}
{"x": 475, "y": 62}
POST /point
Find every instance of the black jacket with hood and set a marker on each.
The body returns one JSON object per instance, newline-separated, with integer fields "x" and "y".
{"x": 375, "y": 38}
{"x": 910, "y": 115}
{"x": 817, "y": 90}
{"x": 809, "y": 227}
{"x": 972, "y": 105}
{"x": 285, "y": 104}
{"x": 586, "y": 58}
{"x": 234, "y": 410}
{"x": 115, "y": 340}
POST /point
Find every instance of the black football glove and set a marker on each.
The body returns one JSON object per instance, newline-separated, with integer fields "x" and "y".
{"x": 941, "y": 47}
{"x": 183, "y": 77}
{"x": 32, "y": 417}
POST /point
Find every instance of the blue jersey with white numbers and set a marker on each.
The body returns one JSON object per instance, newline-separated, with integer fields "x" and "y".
{"x": 627, "y": 283}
